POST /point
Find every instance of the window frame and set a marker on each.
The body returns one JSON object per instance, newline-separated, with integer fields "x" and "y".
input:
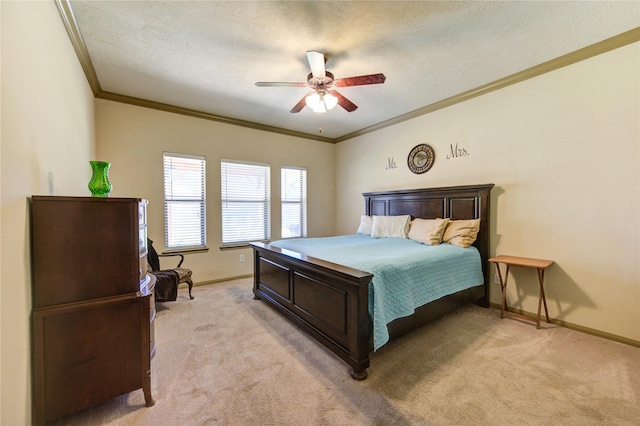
{"x": 178, "y": 196}
{"x": 264, "y": 222}
{"x": 302, "y": 201}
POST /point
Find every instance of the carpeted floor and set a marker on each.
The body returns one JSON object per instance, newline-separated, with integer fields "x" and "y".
{"x": 227, "y": 359}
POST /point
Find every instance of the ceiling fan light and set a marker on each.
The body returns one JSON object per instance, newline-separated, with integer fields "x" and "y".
{"x": 330, "y": 101}
{"x": 321, "y": 107}
{"x": 313, "y": 101}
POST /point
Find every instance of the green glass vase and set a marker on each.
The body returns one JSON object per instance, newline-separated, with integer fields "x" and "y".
{"x": 100, "y": 185}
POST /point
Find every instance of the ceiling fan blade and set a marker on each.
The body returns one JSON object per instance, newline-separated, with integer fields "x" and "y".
{"x": 300, "y": 105}
{"x": 344, "y": 102}
{"x": 316, "y": 62}
{"x": 279, "y": 84}
{"x": 360, "y": 80}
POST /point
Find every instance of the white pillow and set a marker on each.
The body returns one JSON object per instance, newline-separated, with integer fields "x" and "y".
{"x": 366, "y": 222}
{"x": 428, "y": 231}
{"x": 390, "y": 226}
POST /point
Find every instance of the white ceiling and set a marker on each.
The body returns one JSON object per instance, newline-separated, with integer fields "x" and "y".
{"x": 207, "y": 55}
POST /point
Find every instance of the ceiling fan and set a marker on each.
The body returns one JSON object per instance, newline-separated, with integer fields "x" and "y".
{"x": 324, "y": 97}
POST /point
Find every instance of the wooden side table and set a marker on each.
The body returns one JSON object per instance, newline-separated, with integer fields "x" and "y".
{"x": 509, "y": 261}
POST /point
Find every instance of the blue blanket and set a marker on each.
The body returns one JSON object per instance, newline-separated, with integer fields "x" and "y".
{"x": 406, "y": 274}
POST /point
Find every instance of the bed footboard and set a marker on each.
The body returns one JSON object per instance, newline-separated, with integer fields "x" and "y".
{"x": 329, "y": 301}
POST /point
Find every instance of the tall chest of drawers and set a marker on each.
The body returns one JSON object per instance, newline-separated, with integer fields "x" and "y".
{"x": 93, "y": 307}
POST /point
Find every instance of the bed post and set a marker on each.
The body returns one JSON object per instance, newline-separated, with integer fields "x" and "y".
{"x": 483, "y": 205}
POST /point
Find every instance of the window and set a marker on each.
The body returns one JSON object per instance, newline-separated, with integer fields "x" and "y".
{"x": 184, "y": 201}
{"x": 245, "y": 197}
{"x": 294, "y": 202}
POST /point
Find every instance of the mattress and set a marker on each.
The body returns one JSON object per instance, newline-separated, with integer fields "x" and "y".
{"x": 406, "y": 274}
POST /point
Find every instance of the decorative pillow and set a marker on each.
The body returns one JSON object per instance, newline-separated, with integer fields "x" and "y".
{"x": 461, "y": 232}
{"x": 428, "y": 231}
{"x": 366, "y": 222}
{"x": 390, "y": 226}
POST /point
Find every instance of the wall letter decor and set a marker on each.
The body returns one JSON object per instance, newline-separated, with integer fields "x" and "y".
{"x": 391, "y": 164}
{"x": 455, "y": 152}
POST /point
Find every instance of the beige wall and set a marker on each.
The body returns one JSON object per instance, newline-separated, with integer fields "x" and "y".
{"x": 563, "y": 151}
{"x": 47, "y": 141}
{"x": 134, "y": 138}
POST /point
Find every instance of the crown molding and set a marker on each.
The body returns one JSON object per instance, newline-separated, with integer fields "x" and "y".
{"x": 206, "y": 116}
{"x": 70, "y": 24}
{"x": 604, "y": 46}
{"x": 73, "y": 31}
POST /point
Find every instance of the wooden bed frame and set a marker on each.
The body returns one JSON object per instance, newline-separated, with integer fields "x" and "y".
{"x": 330, "y": 301}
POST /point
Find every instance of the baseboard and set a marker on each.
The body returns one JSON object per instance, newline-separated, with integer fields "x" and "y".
{"x": 576, "y": 327}
{"x": 562, "y": 323}
{"x": 219, "y": 280}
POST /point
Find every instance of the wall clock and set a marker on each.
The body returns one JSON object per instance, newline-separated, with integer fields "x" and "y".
{"x": 421, "y": 158}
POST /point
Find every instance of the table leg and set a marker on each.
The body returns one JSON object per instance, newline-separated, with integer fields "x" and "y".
{"x": 541, "y": 297}
{"x": 503, "y": 287}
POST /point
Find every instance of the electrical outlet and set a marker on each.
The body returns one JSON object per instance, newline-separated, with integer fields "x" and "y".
{"x": 496, "y": 278}
{"x": 241, "y": 258}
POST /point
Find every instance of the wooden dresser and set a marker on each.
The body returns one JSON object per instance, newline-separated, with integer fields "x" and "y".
{"x": 93, "y": 305}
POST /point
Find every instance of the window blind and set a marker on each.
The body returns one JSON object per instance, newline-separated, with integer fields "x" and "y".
{"x": 293, "y": 186}
{"x": 245, "y": 197}
{"x": 184, "y": 201}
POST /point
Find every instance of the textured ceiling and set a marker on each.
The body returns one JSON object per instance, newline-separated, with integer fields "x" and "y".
{"x": 207, "y": 55}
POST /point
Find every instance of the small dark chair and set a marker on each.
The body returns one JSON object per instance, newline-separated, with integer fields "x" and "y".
{"x": 168, "y": 280}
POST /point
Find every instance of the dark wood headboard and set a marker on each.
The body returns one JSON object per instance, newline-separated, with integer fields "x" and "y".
{"x": 455, "y": 203}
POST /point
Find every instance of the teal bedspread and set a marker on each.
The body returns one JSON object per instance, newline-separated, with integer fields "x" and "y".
{"x": 406, "y": 274}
